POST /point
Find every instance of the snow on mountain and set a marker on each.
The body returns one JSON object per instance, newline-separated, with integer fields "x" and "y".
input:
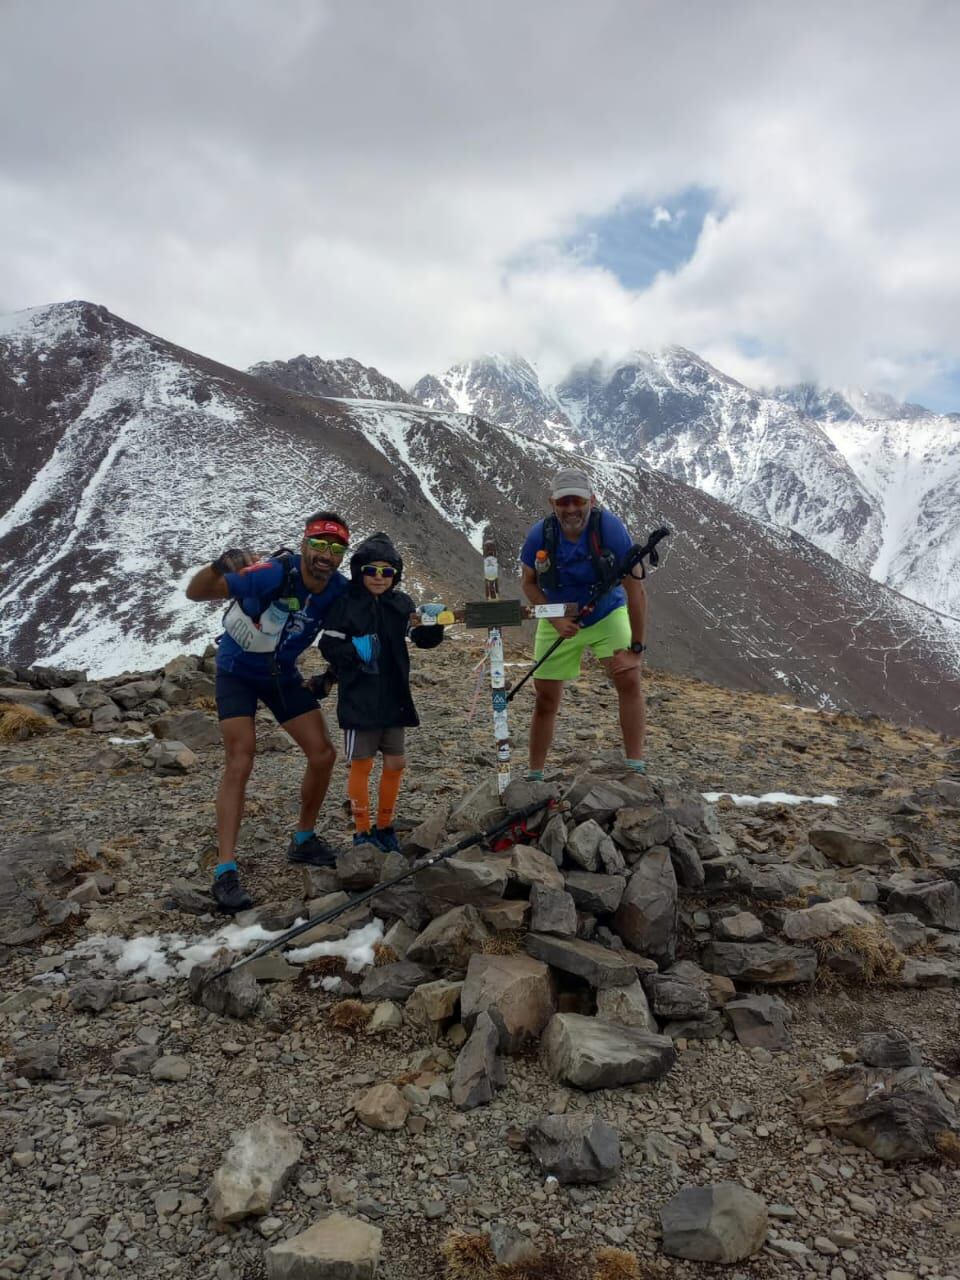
{"x": 503, "y": 389}
{"x": 874, "y": 482}
{"x": 129, "y": 461}
{"x": 312, "y": 376}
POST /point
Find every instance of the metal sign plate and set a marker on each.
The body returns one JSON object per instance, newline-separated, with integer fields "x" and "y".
{"x": 483, "y": 614}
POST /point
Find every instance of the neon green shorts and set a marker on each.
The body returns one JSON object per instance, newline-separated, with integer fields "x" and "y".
{"x": 604, "y": 638}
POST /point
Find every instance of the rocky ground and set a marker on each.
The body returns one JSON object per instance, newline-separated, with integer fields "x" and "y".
{"x": 114, "y": 1122}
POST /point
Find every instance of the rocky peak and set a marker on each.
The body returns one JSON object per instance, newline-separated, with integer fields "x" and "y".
{"x": 347, "y": 378}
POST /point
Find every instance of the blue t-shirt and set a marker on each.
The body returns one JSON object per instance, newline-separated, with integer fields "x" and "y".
{"x": 255, "y": 587}
{"x": 575, "y": 572}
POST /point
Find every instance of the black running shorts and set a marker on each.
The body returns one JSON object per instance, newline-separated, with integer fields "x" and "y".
{"x": 239, "y": 695}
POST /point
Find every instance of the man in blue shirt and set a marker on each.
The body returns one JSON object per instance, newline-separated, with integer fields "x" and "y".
{"x": 563, "y": 559}
{"x": 278, "y": 611}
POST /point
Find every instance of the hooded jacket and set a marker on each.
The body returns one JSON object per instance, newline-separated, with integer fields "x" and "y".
{"x": 382, "y": 700}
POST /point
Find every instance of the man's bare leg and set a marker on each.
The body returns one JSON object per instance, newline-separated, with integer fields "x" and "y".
{"x": 625, "y": 671}
{"x": 309, "y": 732}
{"x": 543, "y": 720}
{"x": 239, "y": 744}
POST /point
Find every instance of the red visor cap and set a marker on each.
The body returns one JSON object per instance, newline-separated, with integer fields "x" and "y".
{"x": 327, "y": 528}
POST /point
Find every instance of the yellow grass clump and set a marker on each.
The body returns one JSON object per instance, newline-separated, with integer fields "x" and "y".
{"x": 18, "y": 722}
{"x": 948, "y": 1144}
{"x": 616, "y": 1264}
{"x": 467, "y": 1256}
{"x": 383, "y": 954}
{"x": 882, "y": 961}
{"x": 503, "y": 944}
{"x": 350, "y": 1015}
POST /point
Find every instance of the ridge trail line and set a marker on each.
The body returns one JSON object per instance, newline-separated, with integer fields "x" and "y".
{"x": 502, "y": 825}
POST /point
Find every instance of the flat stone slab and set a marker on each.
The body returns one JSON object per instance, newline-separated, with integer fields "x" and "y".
{"x": 597, "y": 965}
{"x": 592, "y": 1054}
{"x": 335, "y": 1248}
{"x": 764, "y": 962}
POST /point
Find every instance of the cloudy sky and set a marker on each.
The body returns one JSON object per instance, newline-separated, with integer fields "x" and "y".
{"x": 413, "y": 182}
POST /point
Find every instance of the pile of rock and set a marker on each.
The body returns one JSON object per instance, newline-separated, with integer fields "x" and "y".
{"x": 139, "y": 708}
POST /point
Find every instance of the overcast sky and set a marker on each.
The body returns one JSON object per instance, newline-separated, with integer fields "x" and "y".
{"x": 413, "y": 182}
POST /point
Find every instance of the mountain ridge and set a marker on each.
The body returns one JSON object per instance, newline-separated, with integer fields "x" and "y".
{"x": 152, "y": 459}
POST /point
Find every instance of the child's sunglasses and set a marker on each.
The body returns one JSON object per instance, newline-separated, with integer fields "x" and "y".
{"x": 378, "y": 571}
{"x": 321, "y": 545}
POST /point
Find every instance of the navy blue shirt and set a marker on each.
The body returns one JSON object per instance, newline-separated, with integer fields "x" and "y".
{"x": 255, "y": 588}
{"x": 575, "y": 572}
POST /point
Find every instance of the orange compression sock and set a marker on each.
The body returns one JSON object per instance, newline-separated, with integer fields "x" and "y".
{"x": 389, "y": 790}
{"x": 358, "y": 792}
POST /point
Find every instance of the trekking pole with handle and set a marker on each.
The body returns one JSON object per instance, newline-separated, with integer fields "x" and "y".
{"x": 497, "y": 828}
{"x": 635, "y": 556}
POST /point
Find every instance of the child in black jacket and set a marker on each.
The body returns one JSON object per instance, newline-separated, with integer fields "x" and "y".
{"x": 364, "y": 640}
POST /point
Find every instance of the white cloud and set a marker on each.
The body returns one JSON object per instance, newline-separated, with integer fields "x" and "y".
{"x": 660, "y": 216}
{"x": 387, "y": 181}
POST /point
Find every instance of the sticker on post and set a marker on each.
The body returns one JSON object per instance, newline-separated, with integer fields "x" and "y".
{"x": 549, "y": 610}
{"x": 491, "y": 568}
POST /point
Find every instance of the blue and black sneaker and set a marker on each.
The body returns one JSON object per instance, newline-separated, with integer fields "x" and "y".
{"x": 229, "y": 895}
{"x": 385, "y": 838}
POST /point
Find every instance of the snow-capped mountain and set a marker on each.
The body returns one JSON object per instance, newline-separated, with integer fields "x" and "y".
{"x": 504, "y": 389}
{"x": 873, "y": 482}
{"x": 127, "y": 461}
{"x": 312, "y": 376}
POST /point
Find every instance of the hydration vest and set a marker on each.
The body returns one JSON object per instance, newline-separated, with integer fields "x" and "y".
{"x": 605, "y": 564}
{"x": 263, "y": 632}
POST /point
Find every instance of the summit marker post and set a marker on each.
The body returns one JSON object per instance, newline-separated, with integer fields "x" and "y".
{"x": 498, "y": 675}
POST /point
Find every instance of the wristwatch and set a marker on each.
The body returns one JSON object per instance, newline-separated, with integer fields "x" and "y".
{"x": 637, "y": 647}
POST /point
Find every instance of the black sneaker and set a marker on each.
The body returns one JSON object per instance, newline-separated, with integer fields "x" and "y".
{"x": 229, "y": 895}
{"x": 365, "y": 837}
{"x": 313, "y": 853}
{"x": 385, "y": 838}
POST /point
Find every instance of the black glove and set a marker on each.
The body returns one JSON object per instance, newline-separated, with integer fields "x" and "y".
{"x": 320, "y": 686}
{"x": 233, "y": 560}
{"x": 427, "y": 637}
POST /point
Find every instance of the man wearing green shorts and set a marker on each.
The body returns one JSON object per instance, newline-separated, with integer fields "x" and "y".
{"x": 563, "y": 561}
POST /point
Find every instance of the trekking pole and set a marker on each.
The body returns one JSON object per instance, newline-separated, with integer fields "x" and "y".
{"x": 496, "y": 828}
{"x": 635, "y": 556}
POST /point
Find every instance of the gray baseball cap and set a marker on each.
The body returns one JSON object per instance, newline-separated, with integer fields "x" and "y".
{"x": 571, "y": 484}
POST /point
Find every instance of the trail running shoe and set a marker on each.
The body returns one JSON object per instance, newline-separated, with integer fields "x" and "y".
{"x": 229, "y": 895}
{"x": 385, "y": 838}
{"x": 364, "y": 837}
{"x": 312, "y": 853}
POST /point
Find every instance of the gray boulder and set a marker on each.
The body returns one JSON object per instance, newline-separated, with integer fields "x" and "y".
{"x": 517, "y": 990}
{"x": 674, "y": 997}
{"x": 576, "y": 1148}
{"x": 592, "y": 1054}
{"x": 888, "y": 1049}
{"x": 720, "y": 1223}
{"x": 643, "y": 828}
{"x": 478, "y": 1072}
{"x": 846, "y": 847}
{"x": 760, "y": 1022}
{"x": 450, "y": 940}
{"x": 936, "y": 903}
{"x": 764, "y": 962}
{"x": 552, "y": 911}
{"x": 597, "y": 965}
{"x": 646, "y": 919}
{"x": 596, "y": 894}
{"x": 394, "y": 981}
{"x": 255, "y": 1170}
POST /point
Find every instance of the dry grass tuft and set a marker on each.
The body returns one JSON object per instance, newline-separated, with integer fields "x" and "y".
{"x": 18, "y": 722}
{"x": 324, "y": 967}
{"x": 383, "y": 954}
{"x": 881, "y": 959}
{"x": 948, "y": 1144}
{"x": 617, "y": 1264}
{"x": 503, "y": 944}
{"x": 467, "y": 1256}
{"x": 350, "y": 1015}
{"x": 549, "y": 1266}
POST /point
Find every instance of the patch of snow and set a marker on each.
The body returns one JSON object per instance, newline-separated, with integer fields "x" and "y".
{"x": 771, "y": 797}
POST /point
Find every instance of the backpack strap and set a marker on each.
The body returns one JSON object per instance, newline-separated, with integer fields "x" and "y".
{"x": 550, "y": 578}
{"x": 604, "y": 561}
